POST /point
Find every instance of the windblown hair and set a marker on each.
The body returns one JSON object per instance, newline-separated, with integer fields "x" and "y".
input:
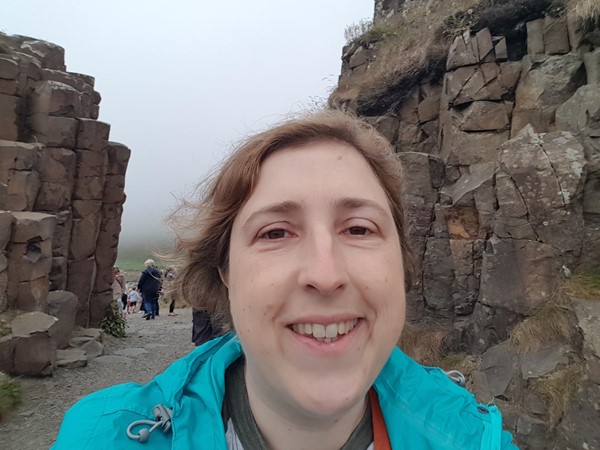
{"x": 203, "y": 239}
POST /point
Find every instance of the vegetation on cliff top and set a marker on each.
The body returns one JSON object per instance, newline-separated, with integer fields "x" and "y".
{"x": 415, "y": 44}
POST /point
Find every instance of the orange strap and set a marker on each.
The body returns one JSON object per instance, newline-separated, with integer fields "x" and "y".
{"x": 380, "y": 434}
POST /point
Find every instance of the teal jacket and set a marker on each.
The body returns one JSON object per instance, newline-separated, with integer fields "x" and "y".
{"x": 423, "y": 409}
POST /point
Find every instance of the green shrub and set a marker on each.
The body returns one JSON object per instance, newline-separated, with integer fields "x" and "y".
{"x": 114, "y": 323}
{"x": 10, "y": 394}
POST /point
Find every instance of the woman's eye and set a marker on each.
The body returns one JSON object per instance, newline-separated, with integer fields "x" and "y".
{"x": 274, "y": 234}
{"x": 358, "y": 231}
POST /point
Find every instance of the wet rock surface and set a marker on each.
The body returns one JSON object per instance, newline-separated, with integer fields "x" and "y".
{"x": 150, "y": 346}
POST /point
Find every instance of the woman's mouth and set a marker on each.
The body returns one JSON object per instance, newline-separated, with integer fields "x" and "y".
{"x": 325, "y": 333}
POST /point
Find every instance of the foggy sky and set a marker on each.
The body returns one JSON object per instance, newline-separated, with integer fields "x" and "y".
{"x": 183, "y": 81}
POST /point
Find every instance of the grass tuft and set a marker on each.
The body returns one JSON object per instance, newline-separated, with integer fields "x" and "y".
{"x": 555, "y": 319}
{"x": 5, "y": 329}
{"x": 585, "y": 285}
{"x": 355, "y": 31}
{"x": 431, "y": 347}
{"x": 10, "y": 394}
{"x": 557, "y": 389}
{"x": 586, "y": 9}
{"x": 458, "y": 23}
{"x": 424, "y": 344}
{"x": 465, "y": 364}
{"x": 376, "y": 33}
{"x": 552, "y": 322}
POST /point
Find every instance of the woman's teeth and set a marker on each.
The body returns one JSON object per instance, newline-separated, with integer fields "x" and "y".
{"x": 325, "y": 333}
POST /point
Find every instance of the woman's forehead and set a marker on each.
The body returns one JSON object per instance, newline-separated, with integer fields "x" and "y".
{"x": 329, "y": 169}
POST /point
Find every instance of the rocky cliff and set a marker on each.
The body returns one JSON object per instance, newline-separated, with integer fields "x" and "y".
{"x": 61, "y": 199}
{"x": 494, "y": 109}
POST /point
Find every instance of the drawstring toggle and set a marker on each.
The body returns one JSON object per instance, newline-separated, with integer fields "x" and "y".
{"x": 162, "y": 420}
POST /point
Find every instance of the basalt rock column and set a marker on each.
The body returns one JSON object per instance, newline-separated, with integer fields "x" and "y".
{"x": 30, "y": 260}
{"x": 110, "y": 227}
{"x": 55, "y": 159}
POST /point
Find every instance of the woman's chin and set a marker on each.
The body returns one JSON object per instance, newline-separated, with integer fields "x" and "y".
{"x": 324, "y": 400}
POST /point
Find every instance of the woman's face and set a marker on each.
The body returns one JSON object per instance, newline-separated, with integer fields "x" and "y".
{"x": 315, "y": 280}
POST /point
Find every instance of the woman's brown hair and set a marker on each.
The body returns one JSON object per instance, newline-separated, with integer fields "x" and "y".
{"x": 203, "y": 247}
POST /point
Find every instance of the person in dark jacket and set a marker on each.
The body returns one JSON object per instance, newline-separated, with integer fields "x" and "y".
{"x": 204, "y": 328}
{"x": 149, "y": 285}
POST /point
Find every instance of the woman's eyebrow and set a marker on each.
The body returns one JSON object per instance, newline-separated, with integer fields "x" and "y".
{"x": 284, "y": 207}
{"x": 349, "y": 203}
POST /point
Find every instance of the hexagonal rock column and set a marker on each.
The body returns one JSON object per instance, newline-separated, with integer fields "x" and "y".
{"x": 63, "y": 306}
{"x": 19, "y": 182}
{"x": 30, "y": 260}
{"x": 54, "y": 106}
{"x": 6, "y": 219}
{"x": 90, "y": 178}
{"x": 110, "y": 227}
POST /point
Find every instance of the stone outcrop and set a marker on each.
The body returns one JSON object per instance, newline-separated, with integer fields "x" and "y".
{"x": 502, "y": 165}
{"x": 61, "y": 193}
{"x": 35, "y": 346}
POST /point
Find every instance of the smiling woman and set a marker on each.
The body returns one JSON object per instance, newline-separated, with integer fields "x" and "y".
{"x": 300, "y": 242}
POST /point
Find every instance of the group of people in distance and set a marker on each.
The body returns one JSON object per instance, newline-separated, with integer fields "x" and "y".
{"x": 145, "y": 298}
{"x": 299, "y": 244}
{"x": 146, "y": 294}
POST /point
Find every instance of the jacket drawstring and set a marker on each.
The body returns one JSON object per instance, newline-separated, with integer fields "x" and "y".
{"x": 162, "y": 419}
{"x": 457, "y": 377}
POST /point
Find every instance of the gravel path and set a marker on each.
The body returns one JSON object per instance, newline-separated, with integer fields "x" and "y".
{"x": 150, "y": 346}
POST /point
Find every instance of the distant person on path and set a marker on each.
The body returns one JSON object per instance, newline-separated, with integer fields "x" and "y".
{"x": 133, "y": 300}
{"x": 150, "y": 285}
{"x": 300, "y": 243}
{"x": 119, "y": 290}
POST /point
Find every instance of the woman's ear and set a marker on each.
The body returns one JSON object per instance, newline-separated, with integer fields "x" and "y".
{"x": 224, "y": 277}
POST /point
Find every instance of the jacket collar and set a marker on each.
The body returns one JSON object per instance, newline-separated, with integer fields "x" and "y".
{"x": 207, "y": 362}
{"x": 421, "y": 406}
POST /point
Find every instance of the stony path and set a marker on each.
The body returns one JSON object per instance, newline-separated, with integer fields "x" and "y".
{"x": 151, "y": 345}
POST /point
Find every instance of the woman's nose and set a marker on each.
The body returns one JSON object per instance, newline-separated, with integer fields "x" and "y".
{"x": 323, "y": 266}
